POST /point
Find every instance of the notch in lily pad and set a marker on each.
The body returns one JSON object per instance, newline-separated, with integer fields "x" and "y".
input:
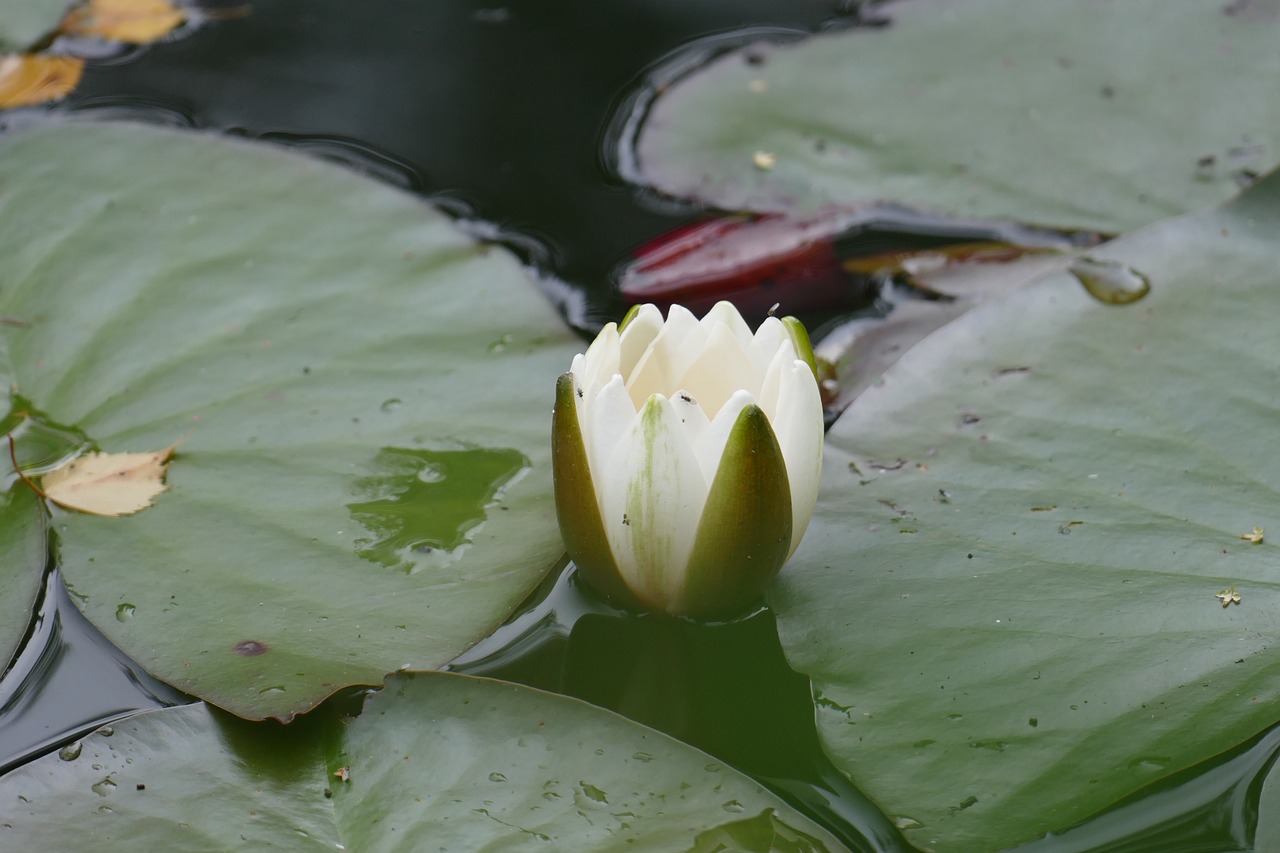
{"x": 106, "y": 484}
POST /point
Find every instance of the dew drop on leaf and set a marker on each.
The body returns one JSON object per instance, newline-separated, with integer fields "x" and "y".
{"x": 1110, "y": 281}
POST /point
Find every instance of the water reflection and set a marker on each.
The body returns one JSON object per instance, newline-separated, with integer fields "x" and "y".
{"x": 67, "y": 681}
{"x": 1209, "y": 807}
{"x": 724, "y": 688}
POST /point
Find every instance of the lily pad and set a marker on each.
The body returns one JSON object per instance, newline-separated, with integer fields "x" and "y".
{"x": 26, "y": 21}
{"x": 462, "y": 763}
{"x": 23, "y": 549}
{"x": 1009, "y": 599}
{"x": 1079, "y": 115}
{"x": 360, "y": 395}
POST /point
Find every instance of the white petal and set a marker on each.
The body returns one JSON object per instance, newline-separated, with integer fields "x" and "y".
{"x": 692, "y": 416}
{"x": 637, "y": 336}
{"x": 710, "y": 445}
{"x": 601, "y": 360}
{"x": 680, "y": 322}
{"x": 725, "y": 314}
{"x": 652, "y": 500}
{"x": 668, "y": 357}
{"x": 798, "y": 426}
{"x": 610, "y": 416}
{"x": 771, "y": 387}
{"x": 769, "y": 337}
{"x": 722, "y": 368}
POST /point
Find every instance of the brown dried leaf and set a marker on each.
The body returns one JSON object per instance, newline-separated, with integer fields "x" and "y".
{"x": 129, "y": 21}
{"x": 109, "y": 484}
{"x": 27, "y": 79}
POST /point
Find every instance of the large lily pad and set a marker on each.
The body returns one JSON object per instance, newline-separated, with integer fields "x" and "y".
{"x": 436, "y": 761}
{"x": 23, "y": 551}
{"x": 1008, "y": 600}
{"x": 360, "y": 393}
{"x": 1101, "y": 116}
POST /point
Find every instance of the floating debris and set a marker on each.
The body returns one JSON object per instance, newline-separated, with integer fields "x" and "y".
{"x": 1255, "y": 537}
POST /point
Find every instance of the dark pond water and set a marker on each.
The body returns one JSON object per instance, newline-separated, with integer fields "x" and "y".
{"x": 507, "y": 115}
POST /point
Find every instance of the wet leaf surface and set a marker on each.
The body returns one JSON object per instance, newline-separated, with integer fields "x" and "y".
{"x": 1008, "y": 600}
{"x": 296, "y": 322}
{"x": 1083, "y": 115}
{"x": 435, "y": 760}
{"x": 22, "y": 560}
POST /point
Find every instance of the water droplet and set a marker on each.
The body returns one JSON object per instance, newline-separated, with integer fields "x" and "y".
{"x": 712, "y": 767}
{"x": 995, "y": 745}
{"x": 642, "y": 756}
{"x": 1110, "y": 281}
{"x": 1152, "y": 763}
{"x": 106, "y": 731}
{"x": 593, "y": 793}
{"x": 955, "y": 716}
{"x": 501, "y": 343}
{"x": 125, "y": 612}
{"x": 904, "y": 822}
{"x": 390, "y": 405}
{"x": 431, "y": 474}
{"x": 550, "y": 795}
{"x": 733, "y": 807}
{"x": 103, "y": 786}
{"x": 271, "y": 691}
{"x": 105, "y": 810}
{"x": 497, "y": 777}
{"x": 71, "y": 751}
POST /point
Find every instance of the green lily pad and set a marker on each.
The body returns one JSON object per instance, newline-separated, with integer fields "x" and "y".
{"x": 1009, "y": 600}
{"x": 23, "y": 549}
{"x": 461, "y": 763}
{"x": 360, "y": 395}
{"x": 1066, "y": 114}
{"x": 26, "y": 21}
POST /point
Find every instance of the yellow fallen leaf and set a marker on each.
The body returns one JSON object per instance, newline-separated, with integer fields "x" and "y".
{"x": 110, "y": 484}
{"x": 27, "y": 79}
{"x": 129, "y": 21}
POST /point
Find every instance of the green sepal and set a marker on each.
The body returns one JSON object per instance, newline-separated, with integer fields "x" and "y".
{"x": 800, "y": 339}
{"x": 630, "y": 315}
{"x": 581, "y": 525}
{"x": 745, "y": 532}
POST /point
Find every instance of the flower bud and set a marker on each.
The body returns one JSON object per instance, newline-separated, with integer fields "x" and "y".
{"x": 686, "y": 457}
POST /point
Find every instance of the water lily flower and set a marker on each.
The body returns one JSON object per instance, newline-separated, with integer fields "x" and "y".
{"x": 686, "y": 456}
